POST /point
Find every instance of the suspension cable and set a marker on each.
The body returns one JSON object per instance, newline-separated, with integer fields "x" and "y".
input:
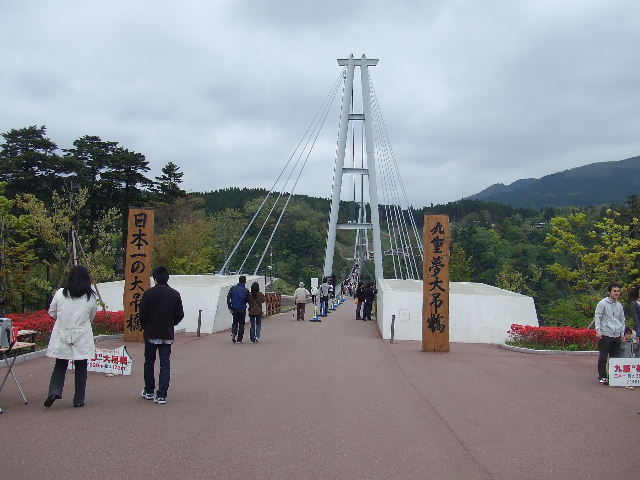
{"x": 313, "y": 121}
{"x": 326, "y": 106}
{"x": 292, "y": 190}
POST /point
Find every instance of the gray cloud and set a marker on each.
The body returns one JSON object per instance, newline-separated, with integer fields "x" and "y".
{"x": 472, "y": 93}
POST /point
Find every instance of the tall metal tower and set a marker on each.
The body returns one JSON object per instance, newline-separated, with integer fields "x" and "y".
{"x": 365, "y": 172}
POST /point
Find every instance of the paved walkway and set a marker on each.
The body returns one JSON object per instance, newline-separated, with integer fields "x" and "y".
{"x": 328, "y": 400}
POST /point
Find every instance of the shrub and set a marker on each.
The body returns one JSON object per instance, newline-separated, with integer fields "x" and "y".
{"x": 552, "y": 338}
{"x": 40, "y": 321}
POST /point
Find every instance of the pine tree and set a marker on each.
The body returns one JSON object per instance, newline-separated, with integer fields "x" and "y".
{"x": 168, "y": 184}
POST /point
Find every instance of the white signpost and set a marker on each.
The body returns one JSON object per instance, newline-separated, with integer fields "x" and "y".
{"x": 624, "y": 372}
{"x": 116, "y": 361}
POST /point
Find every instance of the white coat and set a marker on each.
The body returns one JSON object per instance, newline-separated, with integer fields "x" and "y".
{"x": 72, "y": 337}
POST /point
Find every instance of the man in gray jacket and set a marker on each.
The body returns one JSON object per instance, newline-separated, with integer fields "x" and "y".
{"x": 610, "y": 323}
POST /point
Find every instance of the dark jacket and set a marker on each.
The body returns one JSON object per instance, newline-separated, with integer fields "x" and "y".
{"x": 160, "y": 310}
{"x": 237, "y": 298}
{"x": 635, "y": 311}
{"x": 367, "y": 295}
{"x": 255, "y": 304}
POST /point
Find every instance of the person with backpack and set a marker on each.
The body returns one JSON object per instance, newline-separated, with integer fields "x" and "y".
{"x": 237, "y": 300}
{"x": 256, "y": 299}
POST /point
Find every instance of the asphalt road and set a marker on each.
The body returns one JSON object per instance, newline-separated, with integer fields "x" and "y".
{"x": 328, "y": 400}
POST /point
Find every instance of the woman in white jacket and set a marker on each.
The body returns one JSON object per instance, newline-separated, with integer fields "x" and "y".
{"x": 73, "y": 308}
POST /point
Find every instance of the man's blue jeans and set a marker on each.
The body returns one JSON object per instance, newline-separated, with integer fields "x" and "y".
{"x": 164, "y": 351}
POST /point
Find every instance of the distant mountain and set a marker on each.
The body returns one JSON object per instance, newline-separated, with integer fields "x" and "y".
{"x": 594, "y": 184}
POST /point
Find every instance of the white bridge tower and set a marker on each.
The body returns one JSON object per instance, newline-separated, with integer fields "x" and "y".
{"x": 365, "y": 173}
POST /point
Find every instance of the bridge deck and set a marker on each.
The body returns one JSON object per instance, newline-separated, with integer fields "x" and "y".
{"x": 327, "y": 400}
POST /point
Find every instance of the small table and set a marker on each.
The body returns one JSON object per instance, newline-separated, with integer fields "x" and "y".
{"x": 9, "y": 362}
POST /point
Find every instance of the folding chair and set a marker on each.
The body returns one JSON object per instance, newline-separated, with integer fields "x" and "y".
{"x": 4, "y": 355}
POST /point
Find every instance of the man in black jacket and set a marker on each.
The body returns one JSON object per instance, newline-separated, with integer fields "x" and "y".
{"x": 160, "y": 311}
{"x": 368, "y": 295}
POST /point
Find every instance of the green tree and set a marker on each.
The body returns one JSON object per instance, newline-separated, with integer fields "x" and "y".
{"x": 461, "y": 269}
{"x": 594, "y": 254}
{"x": 227, "y": 227}
{"x": 28, "y": 159}
{"x": 168, "y": 184}
{"x": 186, "y": 247}
{"x": 20, "y": 283}
{"x": 511, "y": 279}
{"x": 92, "y": 156}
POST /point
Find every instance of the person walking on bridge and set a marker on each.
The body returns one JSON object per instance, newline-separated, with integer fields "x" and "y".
{"x": 368, "y": 295}
{"x": 256, "y": 299}
{"x": 358, "y": 299}
{"x": 323, "y": 291}
{"x": 237, "y": 300}
{"x": 300, "y": 299}
{"x": 160, "y": 311}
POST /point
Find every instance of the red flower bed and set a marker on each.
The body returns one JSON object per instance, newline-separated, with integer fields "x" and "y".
{"x": 553, "y": 338}
{"x": 40, "y": 321}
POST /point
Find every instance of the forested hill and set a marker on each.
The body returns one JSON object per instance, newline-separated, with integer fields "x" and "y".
{"x": 600, "y": 183}
{"x": 234, "y": 197}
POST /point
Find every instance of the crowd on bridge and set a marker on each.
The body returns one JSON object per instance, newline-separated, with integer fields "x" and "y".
{"x": 75, "y": 306}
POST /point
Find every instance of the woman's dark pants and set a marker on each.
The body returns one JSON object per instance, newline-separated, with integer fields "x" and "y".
{"x": 56, "y": 385}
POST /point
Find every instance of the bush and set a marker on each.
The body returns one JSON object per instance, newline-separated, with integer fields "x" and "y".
{"x": 552, "y": 338}
{"x": 40, "y": 321}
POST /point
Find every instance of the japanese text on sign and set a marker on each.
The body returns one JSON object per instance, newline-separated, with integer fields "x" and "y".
{"x": 116, "y": 361}
{"x": 436, "y": 283}
{"x": 137, "y": 268}
{"x": 624, "y": 372}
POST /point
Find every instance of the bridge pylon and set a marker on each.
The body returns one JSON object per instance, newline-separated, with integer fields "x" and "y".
{"x": 363, "y": 173}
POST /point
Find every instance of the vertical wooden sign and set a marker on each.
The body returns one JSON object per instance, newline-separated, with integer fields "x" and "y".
{"x": 435, "y": 283}
{"x": 137, "y": 273}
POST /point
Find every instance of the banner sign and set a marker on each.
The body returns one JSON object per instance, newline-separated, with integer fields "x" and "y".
{"x": 624, "y": 372}
{"x": 115, "y": 361}
{"x": 435, "y": 283}
{"x": 137, "y": 273}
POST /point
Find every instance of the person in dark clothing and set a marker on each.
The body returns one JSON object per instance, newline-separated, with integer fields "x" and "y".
{"x": 359, "y": 302}
{"x": 160, "y": 311}
{"x": 368, "y": 295}
{"x": 237, "y": 300}
{"x": 256, "y": 299}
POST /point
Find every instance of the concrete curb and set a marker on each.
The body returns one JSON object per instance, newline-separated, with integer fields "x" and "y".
{"x": 41, "y": 353}
{"x": 549, "y": 352}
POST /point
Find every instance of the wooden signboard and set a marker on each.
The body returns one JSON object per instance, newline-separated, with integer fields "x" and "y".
{"x": 137, "y": 273}
{"x": 435, "y": 283}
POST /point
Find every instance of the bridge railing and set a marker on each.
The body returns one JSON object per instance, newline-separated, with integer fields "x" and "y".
{"x": 274, "y": 303}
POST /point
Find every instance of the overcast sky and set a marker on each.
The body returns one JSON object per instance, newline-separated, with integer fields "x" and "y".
{"x": 472, "y": 92}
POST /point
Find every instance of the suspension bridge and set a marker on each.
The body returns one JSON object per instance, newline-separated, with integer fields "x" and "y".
{"x": 366, "y": 174}
{"x": 326, "y": 400}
